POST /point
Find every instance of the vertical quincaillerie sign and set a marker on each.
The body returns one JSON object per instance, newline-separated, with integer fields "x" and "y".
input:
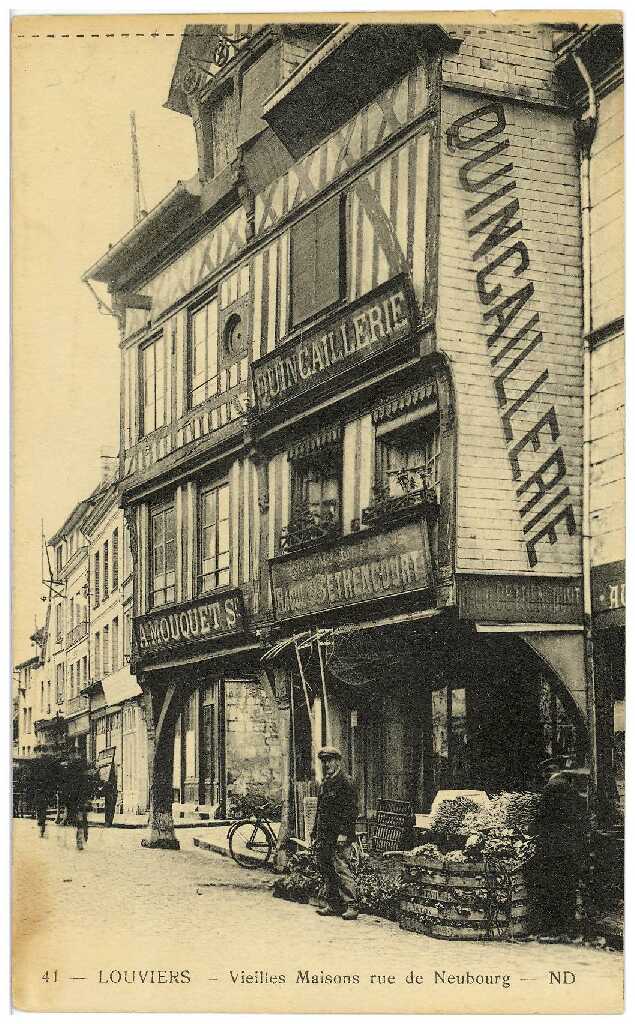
{"x": 490, "y": 174}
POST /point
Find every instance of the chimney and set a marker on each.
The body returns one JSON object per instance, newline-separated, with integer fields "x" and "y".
{"x": 108, "y": 465}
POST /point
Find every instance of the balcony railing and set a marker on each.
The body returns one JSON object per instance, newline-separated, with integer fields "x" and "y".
{"x": 76, "y": 634}
{"x": 309, "y": 526}
{"x": 389, "y": 507}
{"x": 76, "y": 705}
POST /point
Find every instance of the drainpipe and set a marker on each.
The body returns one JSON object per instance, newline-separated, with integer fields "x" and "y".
{"x": 585, "y": 130}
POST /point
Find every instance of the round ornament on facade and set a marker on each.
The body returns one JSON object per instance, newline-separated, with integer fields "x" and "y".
{"x": 233, "y": 335}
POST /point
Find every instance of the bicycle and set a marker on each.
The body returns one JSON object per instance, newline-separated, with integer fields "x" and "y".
{"x": 356, "y": 851}
{"x": 252, "y": 840}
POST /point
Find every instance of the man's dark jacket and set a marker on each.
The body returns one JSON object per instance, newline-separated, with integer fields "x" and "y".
{"x": 336, "y": 809}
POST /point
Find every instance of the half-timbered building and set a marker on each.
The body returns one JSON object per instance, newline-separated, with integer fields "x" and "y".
{"x": 352, "y": 417}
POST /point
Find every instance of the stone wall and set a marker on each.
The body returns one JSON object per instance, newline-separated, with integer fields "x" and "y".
{"x": 252, "y": 748}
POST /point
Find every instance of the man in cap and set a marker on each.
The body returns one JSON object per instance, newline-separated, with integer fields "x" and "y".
{"x": 333, "y": 833}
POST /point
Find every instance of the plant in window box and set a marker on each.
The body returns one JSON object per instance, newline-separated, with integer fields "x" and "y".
{"x": 309, "y": 524}
{"x": 415, "y": 497}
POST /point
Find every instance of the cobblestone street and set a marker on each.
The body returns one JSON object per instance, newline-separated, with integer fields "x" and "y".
{"x": 115, "y": 907}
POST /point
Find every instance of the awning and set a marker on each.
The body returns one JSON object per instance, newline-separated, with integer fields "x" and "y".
{"x": 276, "y": 649}
{"x": 119, "y": 686}
{"x": 399, "y": 619}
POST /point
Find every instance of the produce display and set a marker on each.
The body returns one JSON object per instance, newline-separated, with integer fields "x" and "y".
{"x": 465, "y": 881}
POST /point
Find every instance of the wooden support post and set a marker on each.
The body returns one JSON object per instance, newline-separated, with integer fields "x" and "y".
{"x": 163, "y": 706}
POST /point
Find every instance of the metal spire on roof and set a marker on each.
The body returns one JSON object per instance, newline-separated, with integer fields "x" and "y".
{"x": 139, "y": 200}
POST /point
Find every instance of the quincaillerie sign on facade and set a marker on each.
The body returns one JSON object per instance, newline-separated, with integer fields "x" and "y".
{"x": 361, "y": 567}
{"x": 187, "y": 625}
{"x": 373, "y": 324}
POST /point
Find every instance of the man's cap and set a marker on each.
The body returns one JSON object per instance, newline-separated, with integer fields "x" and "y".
{"x": 328, "y": 752}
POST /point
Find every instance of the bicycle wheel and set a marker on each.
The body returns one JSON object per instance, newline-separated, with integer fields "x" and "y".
{"x": 250, "y": 844}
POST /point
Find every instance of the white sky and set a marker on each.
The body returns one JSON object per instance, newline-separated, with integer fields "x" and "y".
{"x": 72, "y": 188}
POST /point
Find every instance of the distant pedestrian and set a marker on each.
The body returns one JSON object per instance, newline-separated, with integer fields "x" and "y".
{"x": 560, "y": 840}
{"x": 333, "y": 834}
{"x": 41, "y": 807}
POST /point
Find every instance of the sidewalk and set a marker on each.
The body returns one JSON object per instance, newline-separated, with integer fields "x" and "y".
{"x": 96, "y": 818}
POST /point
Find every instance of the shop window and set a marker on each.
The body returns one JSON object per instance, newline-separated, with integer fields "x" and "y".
{"x": 203, "y": 353}
{"x": 154, "y": 373}
{"x": 115, "y": 559}
{"x": 163, "y": 556}
{"x": 214, "y": 558}
{"x": 315, "y": 498}
{"x": 449, "y": 738}
{"x": 558, "y": 730}
{"x": 316, "y": 261}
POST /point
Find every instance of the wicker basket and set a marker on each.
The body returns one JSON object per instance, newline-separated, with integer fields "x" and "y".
{"x": 465, "y": 901}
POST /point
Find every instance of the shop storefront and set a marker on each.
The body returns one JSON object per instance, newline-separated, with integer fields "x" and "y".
{"x": 420, "y": 703}
{"x": 214, "y": 729}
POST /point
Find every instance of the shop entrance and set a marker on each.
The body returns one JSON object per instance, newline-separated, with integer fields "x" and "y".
{"x": 198, "y": 747}
{"x": 444, "y": 712}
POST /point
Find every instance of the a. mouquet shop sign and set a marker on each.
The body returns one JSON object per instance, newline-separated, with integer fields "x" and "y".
{"x": 359, "y": 568}
{"x": 363, "y": 330}
{"x": 188, "y": 626}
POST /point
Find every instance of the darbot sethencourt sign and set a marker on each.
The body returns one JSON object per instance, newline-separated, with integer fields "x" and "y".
{"x": 359, "y": 568}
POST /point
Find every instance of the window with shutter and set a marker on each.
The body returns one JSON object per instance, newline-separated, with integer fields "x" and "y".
{"x": 163, "y": 556}
{"x": 105, "y": 573}
{"x": 316, "y": 261}
{"x": 115, "y": 559}
{"x": 96, "y": 580}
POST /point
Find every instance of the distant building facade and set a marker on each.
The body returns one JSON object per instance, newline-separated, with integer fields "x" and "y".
{"x": 117, "y": 731}
{"x": 591, "y": 60}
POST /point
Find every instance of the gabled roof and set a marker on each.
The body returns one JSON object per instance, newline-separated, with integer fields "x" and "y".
{"x": 71, "y": 522}
{"x": 100, "y": 508}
